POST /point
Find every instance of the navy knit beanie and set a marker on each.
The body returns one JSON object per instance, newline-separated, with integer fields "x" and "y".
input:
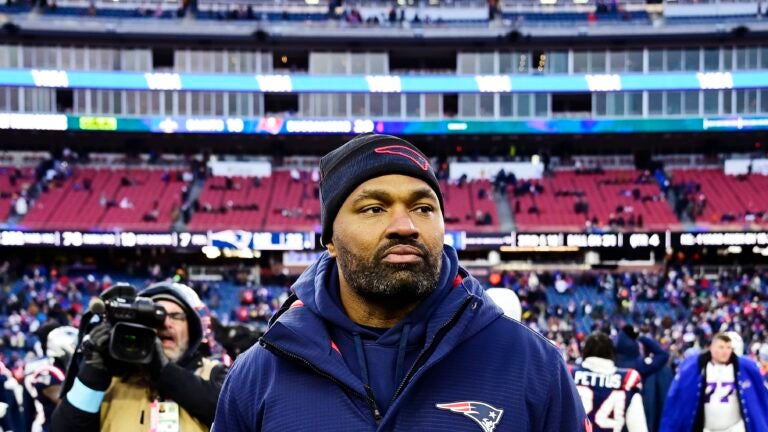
{"x": 365, "y": 157}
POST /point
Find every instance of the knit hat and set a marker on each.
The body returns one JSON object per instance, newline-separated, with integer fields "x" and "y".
{"x": 189, "y": 301}
{"x": 365, "y": 157}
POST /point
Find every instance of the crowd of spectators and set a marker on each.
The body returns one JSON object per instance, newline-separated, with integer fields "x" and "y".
{"x": 679, "y": 308}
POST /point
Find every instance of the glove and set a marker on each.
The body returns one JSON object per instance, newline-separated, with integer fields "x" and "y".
{"x": 96, "y": 345}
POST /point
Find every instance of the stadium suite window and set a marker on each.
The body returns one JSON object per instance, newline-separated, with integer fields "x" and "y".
{"x": 711, "y": 102}
{"x": 38, "y": 100}
{"x": 691, "y": 60}
{"x": 655, "y": 103}
{"x": 432, "y": 105}
{"x": 746, "y": 58}
{"x": 306, "y": 104}
{"x": 394, "y": 105}
{"x": 728, "y": 101}
{"x": 763, "y": 57}
{"x": 237, "y": 104}
{"x": 598, "y": 61}
{"x": 711, "y": 59}
{"x": 557, "y": 62}
{"x": 506, "y": 105}
{"x": 487, "y": 105}
{"x": 599, "y": 104}
{"x": 507, "y": 63}
{"x": 634, "y": 101}
{"x": 764, "y": 101}
{"x": 413, "y": 105}
{"x": 727, "y": 59}
{"x": 183, "y": 103}
{"x": 468, "y": 105}
{"x": 674, "y": 103}
{"x": 359, "y": 105}
{"x": 580, "y": 62}
{"x": 746, "y": 101}
{"x": 614, "y": 104}
{"x": 514, "y": 62}
{"x": 589, "y": 61}
{"x": 541, "y": 105}
{"x": 691, "y": 102}
{"x": 167, "y": 102}
{"x": 523, "y": 102}
{"x": 358, "y": 63}
{"x": 618, "y": 61}
{"x": 674, "y": 60}
{"x": 376, "y": 104}
{"x": 9, "y": 56}
{"x": 655, "y": 60}
{"x": 467, "y": 63}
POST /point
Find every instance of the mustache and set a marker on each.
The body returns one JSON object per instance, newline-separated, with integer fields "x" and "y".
{"x": 382, "y": 250}
{"x": 162, "y": 334}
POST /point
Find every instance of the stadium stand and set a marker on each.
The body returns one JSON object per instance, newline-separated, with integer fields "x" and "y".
{"x": 624, "y": 199}
{"x": 710, "y": 197}
{"x": 238, "y": 203}
{"x": 469, "y": 206}
{"x": 91, "y": 198}
{"x": 13, "y": 184}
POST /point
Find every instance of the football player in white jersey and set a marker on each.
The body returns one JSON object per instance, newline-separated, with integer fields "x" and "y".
{"x": 721, "y": 404}
{"x": 717, "y": 391}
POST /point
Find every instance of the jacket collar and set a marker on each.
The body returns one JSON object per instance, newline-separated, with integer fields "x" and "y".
{"x": 298, "y": 330}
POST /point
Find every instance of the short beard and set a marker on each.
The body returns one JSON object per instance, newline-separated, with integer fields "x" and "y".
{"x": 391, "y": 285}
{"x": 177, "y": 353}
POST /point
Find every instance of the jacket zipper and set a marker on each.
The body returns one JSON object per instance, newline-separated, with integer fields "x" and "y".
{"x": 427, "y": 352}
{"x": 347, "y": 389}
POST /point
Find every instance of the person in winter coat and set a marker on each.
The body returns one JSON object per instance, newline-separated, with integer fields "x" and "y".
{"x": 611, "y": 395}
{"x": 385, "y": 331}
{"x": 177, "y": 391}
{"x": 657, "y": 375}
{"x": 716, "y": 391}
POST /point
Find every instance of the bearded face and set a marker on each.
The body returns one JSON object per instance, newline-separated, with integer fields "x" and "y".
{"x": 379, "y": 281}
{"x": 388, "y": 240}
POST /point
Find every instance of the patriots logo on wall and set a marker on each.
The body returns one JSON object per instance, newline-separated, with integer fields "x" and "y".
{"x": 482, "y": 413}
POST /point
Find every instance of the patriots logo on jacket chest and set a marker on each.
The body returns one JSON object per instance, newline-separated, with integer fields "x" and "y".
{"x": 483, "y": 414}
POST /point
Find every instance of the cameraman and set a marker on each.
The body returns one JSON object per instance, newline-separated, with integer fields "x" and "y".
{"x": 177, "y": 391}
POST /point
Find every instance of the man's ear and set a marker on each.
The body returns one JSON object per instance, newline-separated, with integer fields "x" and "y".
{"x": 331, "y": 250}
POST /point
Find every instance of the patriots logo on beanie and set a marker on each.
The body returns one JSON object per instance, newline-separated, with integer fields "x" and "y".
{"x": 362, "y": 158}
{"x": 407, "y": 153}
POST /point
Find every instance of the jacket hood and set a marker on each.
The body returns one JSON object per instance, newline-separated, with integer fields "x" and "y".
{"x": 185, "y": 297}
{"x": 312, "y": 319}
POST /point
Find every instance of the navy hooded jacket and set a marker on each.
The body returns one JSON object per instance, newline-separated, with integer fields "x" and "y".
{"x": 454, "y": 363}
{"x": 628, "y": 354}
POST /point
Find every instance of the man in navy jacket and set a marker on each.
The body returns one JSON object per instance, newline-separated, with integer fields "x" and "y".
{"x": 385, "y": 331}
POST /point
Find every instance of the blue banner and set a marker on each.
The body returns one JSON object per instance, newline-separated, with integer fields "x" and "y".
{"x": 383, "y": 83}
